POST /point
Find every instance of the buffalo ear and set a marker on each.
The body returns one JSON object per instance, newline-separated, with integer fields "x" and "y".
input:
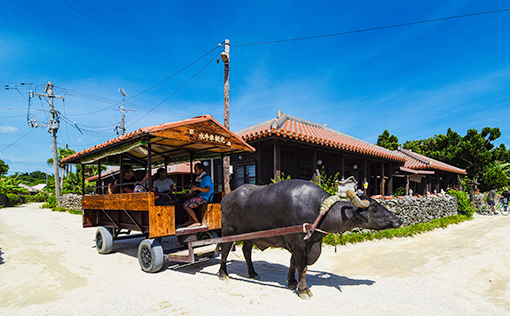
{"x": 349, "y": 212}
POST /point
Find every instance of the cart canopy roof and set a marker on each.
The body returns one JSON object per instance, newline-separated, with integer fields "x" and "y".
{"x": 201, "y": 137}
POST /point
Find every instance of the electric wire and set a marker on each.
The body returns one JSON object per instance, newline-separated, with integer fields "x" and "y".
{"x": 372, "y": 28}
{"x": 174, "y": 74}
{"x": 173, "y": 93}
{"x": 17, "y": 140}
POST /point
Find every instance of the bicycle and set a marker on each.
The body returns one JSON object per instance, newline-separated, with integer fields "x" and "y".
{"x": 486, "y": 209}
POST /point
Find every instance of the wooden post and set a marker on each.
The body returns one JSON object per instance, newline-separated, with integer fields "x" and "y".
{"x": 225, "y": 56}
{"x": 383, "y": 182}
{"x": 407, "y": 184}
{"x": 276, "y": 161}
{"x": 99, "y": 190}
{"x": 149, "y": 163}
{"x": 342, "y": 167}
{"x": 365, "y": 175}
{"x": 121, "y": 177}
{"x": 82, "y": 179}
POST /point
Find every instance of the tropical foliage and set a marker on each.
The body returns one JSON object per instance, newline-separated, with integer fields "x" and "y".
{"x": 475, "y": 152}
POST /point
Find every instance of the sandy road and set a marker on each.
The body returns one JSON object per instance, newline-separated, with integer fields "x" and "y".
{"x": 49, "y": 266}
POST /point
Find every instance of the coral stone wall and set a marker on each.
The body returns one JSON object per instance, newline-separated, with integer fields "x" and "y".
{"x": 70, "y": 201}
{"x": 414, "y": 210}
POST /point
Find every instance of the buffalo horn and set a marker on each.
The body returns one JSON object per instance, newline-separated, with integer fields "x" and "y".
{"x": 356, "y": 200}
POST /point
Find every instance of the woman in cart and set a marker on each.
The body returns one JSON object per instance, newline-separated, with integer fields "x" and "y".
{"x": 205, "y": 188}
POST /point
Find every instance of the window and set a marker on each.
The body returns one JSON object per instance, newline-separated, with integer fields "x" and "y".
{"x": 243, "y": 174}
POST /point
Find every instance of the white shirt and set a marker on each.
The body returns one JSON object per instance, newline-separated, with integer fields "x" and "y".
{"x": 164, "y": 185}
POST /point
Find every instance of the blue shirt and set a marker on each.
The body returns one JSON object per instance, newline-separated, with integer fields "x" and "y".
{"x": 206, "y": 182}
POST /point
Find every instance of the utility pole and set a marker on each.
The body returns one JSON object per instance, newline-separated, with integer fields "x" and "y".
{"x": 225, "y": 56}
{"x": 53, "y": 126}
{"x": 123, "y": 111}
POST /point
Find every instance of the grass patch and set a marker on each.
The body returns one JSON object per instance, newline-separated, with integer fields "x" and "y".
{"x": 77, "y": 212}
{"x": 335, "y": 239}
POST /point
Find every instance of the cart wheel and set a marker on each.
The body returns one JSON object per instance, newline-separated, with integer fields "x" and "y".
{"x": 104, "y": 240}
{"x": 150, "y": 255}
{"x": 207, "y": 235}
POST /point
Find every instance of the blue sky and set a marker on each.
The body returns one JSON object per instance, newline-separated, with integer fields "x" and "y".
{"x": 416, "y": 81}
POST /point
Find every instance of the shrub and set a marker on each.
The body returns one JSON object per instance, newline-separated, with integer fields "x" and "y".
{"x": 328, "y": 183}
{"x": 400, "y": 191}
{"x": 39, "y": 197}
{"x": 336, "y": 239}
{"x": 51, "y": 202}
{"x": 72, "y": 211}
{"x": 12, "y": 199}
{"x": 464, "y": 206}
{"x": 58, "y": 209}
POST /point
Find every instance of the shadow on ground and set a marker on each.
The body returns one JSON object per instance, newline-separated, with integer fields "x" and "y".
{"x": 1, "y": 259}
{"x": 269, "y": 273}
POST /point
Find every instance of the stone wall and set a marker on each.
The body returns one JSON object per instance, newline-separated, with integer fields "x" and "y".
{"x": 414, "y": 210}
{"x": 70, "y": 201}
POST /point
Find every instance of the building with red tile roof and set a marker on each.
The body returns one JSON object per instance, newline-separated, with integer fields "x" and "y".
{"x": 291, "y": 146}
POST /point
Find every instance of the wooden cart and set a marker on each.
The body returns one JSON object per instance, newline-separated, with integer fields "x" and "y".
{"x": 117, "y": 215}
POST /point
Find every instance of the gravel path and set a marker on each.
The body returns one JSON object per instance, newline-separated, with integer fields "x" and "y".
{"x": 49, "y": 266}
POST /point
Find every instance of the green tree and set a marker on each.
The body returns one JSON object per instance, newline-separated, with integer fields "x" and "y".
{"x": 494, "y": 176}
{"x": 475, "y": 150}
{"x": 440, "y": 147}
{"x": 3, "y": 168}
{"x": 388, "y": 141}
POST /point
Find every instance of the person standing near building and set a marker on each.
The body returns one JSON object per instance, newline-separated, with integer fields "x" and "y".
{"x": 491, "y": 199}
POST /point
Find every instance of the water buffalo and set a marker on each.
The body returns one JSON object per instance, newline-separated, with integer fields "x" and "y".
{"x": 252, "y": 208}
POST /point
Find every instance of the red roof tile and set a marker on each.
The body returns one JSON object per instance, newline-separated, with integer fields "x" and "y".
{"x": 306, "y": 131}
{"x": 417, "y": 161}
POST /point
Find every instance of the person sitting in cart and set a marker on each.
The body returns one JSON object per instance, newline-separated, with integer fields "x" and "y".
{"x": 128, "y": 176}
{"x": 164, "y": 185}
{"x": 205, "y": 189}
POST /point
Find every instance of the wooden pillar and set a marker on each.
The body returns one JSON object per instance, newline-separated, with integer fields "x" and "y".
{"x": 121, "y": 176}
{"x": 83, "y": 179}
{"x": 149, "y": 164}
{"x": 407, "y": 184}
{"x": 191, "y": 170}
{"x": 276, "y": 161}
{"x": 390, "y": 183}
{"x": 383, "y": 182}
{"x": 365, "y": 175}
{"x": 99, "y": 189}
{"x": 342, "y": 167}
{"x": 222, "y": 173}
{"x": 258, "y": 167}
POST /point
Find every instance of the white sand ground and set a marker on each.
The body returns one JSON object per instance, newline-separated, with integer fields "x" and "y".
{"x": 49, "y": 266}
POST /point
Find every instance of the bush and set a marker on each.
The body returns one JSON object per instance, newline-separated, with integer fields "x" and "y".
{"x": 51, "y": 202}
{"x": 39, "y": 197}
{"x": 464, "y": 206}
{"x": 336, "y": 239}
{"x": 12, "y": 199}
{"x": 58, "y": 209}
{"x": 400, "y": 191}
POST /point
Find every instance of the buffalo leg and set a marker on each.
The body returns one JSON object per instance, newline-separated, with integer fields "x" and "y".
{"x": 291, "y": 277}
{"x": 247, "y": 246}
{"x": 225, "y": 249}
{"x": 303, "y": 290}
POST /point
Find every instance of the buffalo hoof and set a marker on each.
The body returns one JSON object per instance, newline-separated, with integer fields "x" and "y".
{"x": 223, "y": 276}
{"x": 292, "y": 285}
{"x": 305, "y": 294}
{"x": 255, "y": 277}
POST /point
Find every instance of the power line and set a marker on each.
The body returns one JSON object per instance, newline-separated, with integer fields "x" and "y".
{"x": 182, "y": 86}
{"x": 30, "y": 131}
{"x": 179, "y": 71}
{"x": 373, "y": 28}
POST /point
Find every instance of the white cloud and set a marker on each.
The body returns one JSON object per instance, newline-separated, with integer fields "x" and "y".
{"x": 7, "y": 129}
